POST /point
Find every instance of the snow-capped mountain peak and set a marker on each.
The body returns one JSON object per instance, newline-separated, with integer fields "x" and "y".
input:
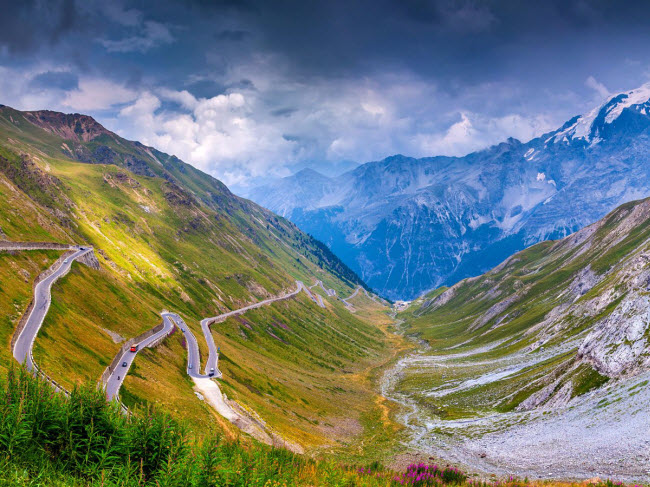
{"x": 587, "y": 127}
{"x": 408, "y": 225}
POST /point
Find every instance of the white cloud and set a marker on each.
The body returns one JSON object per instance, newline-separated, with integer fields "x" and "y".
{"x": 91, "y": 94}
{"x": 260, "y": 129}
{"x": 473, "y": 132}
{"x": 97, "y": 94}
{"x": 597, "y": 86}
{"x": 237, "y": 138}
{"x": 184, "y": 98}
{"x": 456, "y": 141}
{"x": 218, "y": 135}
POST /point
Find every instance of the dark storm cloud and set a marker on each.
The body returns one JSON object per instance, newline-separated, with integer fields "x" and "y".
{"x": 232, "y": 35}
{"x": 26, "y": 25}
{"x": 453, "y": 40}
{"x": 435, "y": 37}
{"x": 242, "y": 84}
{"x": 59, "y": 80}
{"x": 284, "y": 112}
{"x": 347, "y": 80}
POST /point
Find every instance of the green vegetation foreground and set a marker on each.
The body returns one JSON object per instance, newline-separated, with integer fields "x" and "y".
{"x": 50, "y": 439}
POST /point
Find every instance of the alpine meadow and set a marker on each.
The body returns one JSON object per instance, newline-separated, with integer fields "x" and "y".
{"x": 313, "y": 244}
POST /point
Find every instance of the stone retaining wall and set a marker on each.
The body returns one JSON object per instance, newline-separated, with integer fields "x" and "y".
{"x": 7, "y": 245}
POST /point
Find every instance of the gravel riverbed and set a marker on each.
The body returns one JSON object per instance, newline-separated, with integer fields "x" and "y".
{"x": 602, "y": 434}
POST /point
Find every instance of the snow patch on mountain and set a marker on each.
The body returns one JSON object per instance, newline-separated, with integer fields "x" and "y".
{"x": 635, "y": 97}
{"x": 586, "y": 127}
{"x": 407, "y": 225}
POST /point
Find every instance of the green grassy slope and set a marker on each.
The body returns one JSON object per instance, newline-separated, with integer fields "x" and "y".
{"x": 169, "y": 237}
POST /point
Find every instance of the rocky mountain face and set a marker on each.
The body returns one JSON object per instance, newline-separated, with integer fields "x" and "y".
{"x": 70, "y": 126}
{"x": 408, "y": 225}
{"x": 541, "y": 362}
{"x": 589, "y": 289}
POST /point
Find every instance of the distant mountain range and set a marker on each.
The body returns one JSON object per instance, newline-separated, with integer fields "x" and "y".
{"x": 408, "y": 225}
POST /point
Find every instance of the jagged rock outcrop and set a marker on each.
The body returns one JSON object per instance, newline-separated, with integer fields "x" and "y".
{"x": 620, "y": 343}
{"x": 72, "y": 126}
{"x": 90, "y": 259}
{"x": 583, "y": 282}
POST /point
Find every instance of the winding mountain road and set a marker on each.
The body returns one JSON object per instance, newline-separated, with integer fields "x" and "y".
{"x": 329, "y": 292}
{"x": 115, "y": 379}
{"x": 24, "y": 343}
{"x": 113, "y": 384}
{"x": 205, "y": 323}
{"x": 345, "y": 300}
{"x": 22, "y": 349}
{"x": 193, "y": 353}
{"x": 314, "y": 297}
{"x": 42, "y": 299}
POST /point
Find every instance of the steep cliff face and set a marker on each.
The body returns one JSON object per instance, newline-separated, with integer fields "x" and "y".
{"x": 409, "y": 225}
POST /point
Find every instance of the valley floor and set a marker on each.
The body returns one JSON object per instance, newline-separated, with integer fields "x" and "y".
{"x": 603, "y": 434}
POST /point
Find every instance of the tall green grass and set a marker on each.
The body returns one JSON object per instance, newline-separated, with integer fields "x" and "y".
{"x": 85, "y": 438}
{"x": 47, "y": 438}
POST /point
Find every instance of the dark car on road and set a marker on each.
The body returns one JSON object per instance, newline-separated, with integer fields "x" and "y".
{"x": 124, "y": 364}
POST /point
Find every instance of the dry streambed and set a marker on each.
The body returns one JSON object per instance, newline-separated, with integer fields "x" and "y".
{"x": 605, "y": 433}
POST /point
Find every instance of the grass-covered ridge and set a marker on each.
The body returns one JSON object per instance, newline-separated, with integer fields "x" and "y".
{"x": 507, "y": 301}
{"x": 170, "y": 237}
{"x": 523, "y": 352}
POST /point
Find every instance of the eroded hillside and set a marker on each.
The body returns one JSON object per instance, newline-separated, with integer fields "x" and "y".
{"x": 551, "y": 348}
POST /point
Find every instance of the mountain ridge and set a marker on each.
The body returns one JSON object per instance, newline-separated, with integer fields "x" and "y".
{"x": 382, "y": 217}
{"x": 526, "y": 361}
{"x": 167, "y": 236}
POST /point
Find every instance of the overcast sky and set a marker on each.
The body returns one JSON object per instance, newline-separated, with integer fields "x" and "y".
{"x": 249, "y": 89}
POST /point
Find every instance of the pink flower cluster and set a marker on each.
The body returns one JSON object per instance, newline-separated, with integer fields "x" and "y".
{"x": 421, "y": 474}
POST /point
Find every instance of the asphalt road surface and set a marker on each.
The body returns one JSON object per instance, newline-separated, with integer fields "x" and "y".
{"x": 213, "y": 356}
{"x": 316, "y": 298}
{"x": 193, "y": 355}
{"x": 116, "y": 378}
{"x": 356, "y": 291}
{"x": 329, "y": 292}
{"x": 42, "y": 299}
